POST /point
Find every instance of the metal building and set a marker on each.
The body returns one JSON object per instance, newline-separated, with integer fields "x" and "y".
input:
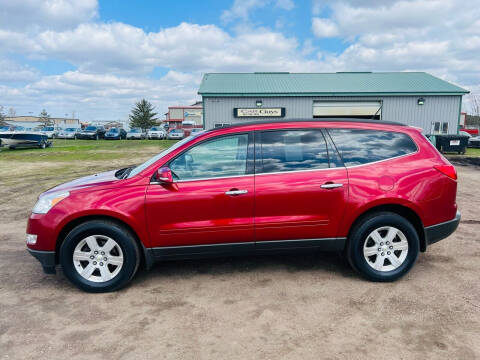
{"x": 414, "y": 98}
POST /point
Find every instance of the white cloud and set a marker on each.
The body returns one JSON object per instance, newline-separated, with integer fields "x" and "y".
{"x": 241, "y": 8}
{"x": 324, "y": 28}
{"x": 40, "y": 14}
{"x": 11, "y": 71}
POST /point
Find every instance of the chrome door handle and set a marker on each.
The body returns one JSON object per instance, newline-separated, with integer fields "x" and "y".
{"x": 331, "y": 186}
{"x": 235, "y": 192}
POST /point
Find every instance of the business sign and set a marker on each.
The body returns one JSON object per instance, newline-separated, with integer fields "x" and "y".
{"x": 192, "y": 112}
{"x": 259, "y": 112}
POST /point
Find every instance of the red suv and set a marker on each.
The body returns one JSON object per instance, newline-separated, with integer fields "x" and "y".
{"x": 378, "y": 191}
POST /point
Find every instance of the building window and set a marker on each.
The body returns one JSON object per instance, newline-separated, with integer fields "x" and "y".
{"x": 436, "y": 127}
{"x": 445, "y": 128}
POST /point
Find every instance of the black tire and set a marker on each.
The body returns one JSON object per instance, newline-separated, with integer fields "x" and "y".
{"x": 359, "y": 234}
{"x": 124, "y": 239}
{"x": 12, "y": 147}
{"x": 42, "y": 145}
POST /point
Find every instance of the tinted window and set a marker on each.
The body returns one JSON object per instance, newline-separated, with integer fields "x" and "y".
{"x": 91, "y": 128}
{"x": 224, "y": 156}
{"x": 293, "y": 150}
{"x": 364, "y": 146}
{"x": 113, "y": 130}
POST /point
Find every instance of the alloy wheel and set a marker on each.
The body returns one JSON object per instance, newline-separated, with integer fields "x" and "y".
{"x": 98, "y": 258}
{"x": 385, "y": 248}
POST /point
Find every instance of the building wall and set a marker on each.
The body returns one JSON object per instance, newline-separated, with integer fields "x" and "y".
{"x": 395, "y": 108}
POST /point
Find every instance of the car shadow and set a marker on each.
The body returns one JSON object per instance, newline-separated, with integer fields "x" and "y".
{"x": 326, "y": 262}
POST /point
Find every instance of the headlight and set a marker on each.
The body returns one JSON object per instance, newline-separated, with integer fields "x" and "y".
{"x": 46, "y": 202}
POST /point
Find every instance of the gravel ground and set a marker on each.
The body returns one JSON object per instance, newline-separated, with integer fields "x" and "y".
{"x": 273, "y": 307}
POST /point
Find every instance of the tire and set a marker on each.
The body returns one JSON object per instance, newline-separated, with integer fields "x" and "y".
{"x": 12, "y": 147}
{"x": 96, "y": 233}
{"x": 361, "y": 243}
{"x": 96, "y": 137}
{"x": 42, "y": 145}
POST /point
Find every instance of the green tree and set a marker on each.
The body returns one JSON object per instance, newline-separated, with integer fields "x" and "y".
{"x": 45, "y": 118}
{"x": 142, "y": 115}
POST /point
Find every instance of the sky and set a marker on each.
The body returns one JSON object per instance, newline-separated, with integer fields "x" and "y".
{"x": 97, "y": 58}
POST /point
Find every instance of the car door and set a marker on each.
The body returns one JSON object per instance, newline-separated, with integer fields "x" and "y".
{"x": 211, "y": 200}
{"x": 300, "y": 191}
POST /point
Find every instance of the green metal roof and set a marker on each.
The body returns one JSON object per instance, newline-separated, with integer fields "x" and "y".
{"x": 325, "y": 84}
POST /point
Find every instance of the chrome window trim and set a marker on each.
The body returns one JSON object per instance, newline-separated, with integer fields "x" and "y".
{"x": 203, "y": 179}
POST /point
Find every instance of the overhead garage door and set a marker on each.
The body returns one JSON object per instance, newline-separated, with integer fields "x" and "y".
{"x": 356, "y": 109}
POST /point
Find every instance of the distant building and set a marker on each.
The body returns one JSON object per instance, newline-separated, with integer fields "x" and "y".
{"x": 180, "y": 116}
{"x": 414, "y": 98}
{"x": 33, "y": 121}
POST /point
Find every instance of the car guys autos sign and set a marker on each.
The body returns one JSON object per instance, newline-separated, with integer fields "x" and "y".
{"x": 259, "y": 112}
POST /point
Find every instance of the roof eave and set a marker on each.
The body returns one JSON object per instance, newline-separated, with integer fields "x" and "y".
{"x": 416, "y": 93}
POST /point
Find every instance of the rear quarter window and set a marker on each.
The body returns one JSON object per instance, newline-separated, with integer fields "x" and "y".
{"x": 358, "y": 147}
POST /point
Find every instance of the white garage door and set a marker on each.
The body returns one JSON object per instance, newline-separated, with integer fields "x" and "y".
{"x": 347, "y": 108}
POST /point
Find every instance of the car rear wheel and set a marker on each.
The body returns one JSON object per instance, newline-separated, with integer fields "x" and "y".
{"x": 383, "y": 246}
{"x": 99, "y": 256}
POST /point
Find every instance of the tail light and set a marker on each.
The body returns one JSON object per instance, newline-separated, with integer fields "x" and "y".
{"x": 448, "y": 170}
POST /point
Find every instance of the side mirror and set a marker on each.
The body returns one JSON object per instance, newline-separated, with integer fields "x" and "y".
{"x": 164, "y": 175}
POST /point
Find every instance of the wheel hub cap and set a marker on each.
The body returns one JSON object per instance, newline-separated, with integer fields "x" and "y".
{"x": 98, "y": 258}
{"x": 385, "y": 248}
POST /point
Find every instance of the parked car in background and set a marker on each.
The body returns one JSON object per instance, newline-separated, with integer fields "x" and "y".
{"x": 176, "y": 134}
{"x": 136, "y": 133}
{"x": 69, "y": 133}
{"x": 115, "y": 134}
{"x": 474, "y": 142}
{"x": 92, "y": 132}
{"x": 196, "y": 131}
{"x": 375, "y": 190}
{"x": 50, "y": 131}
{"x": 156, "y": 132}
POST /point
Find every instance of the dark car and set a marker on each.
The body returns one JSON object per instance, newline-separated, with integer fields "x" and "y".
{"x": 92, "y": 133}
{"x": 115, "y": 134}
{"x": 378, "y": 191}
{"x": 474, "y": 142}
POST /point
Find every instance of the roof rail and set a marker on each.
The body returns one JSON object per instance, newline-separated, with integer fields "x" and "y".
{"x": 351, "y": 120}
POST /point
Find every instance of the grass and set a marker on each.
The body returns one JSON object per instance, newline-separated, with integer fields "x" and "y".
{"x": 72, "y": 150}
{"x": 471, "y": 152}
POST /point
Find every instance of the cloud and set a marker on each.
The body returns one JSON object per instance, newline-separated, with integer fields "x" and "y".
{"x": 241, "y": 9}
{"x": 324, "y": 28}
{"x": 53, "y": 14}
{"x": 11, "y": 71}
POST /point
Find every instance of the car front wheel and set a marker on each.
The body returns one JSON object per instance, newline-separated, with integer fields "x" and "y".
{"x": 99, "y": 256}
{"x": 383, "y": 246}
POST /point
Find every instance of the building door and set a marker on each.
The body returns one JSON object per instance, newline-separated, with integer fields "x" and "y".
{"x": 348, "y": 109}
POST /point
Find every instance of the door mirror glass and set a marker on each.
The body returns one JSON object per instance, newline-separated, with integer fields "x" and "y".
{"x": 164, "y": 175}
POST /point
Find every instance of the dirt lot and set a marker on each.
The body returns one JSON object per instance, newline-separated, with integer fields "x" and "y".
{"x": 275, "y": 307}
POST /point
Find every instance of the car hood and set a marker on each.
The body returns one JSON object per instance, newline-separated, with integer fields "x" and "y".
{"x": 103, "y": 178}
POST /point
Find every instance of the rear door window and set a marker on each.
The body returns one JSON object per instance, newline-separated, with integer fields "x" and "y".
{"x": 358, "y": 147}
{"x": 292, "y": 150}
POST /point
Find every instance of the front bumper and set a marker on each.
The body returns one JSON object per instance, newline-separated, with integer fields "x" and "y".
{"x": 440, "y": 231}
{"x": 46, "y": 258}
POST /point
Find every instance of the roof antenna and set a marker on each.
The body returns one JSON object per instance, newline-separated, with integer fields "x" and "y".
{"x": 380, "y": 108}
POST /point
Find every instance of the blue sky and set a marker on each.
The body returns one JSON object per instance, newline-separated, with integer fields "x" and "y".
{"x": 98, "y": 57}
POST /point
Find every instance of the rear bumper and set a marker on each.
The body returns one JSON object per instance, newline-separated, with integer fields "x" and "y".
{"x": 440, "y": 231}
{"x": 46, "y": 258}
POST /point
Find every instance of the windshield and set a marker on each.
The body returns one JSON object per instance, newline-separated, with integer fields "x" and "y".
{"x": 4, "y": 128}
{"x": 135, "y": 130}
{"x": 90, "y": 128}
{"x": 113, "y": 130}
{"x": 48, "y": 128}
{"x": 175, "y": 131}
{"x": 18, "y": 128}
{"x": 154, "y": 129}
{"x": 69, "y": 129}
{"x": 157, "y": 157}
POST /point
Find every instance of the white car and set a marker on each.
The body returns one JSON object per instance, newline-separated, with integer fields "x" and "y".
{"x": 176, "y": 134}
{"x": 50, "y": 131}
{"x": 135, "y": 133}
{"x": 156, "y": 133}
{"x": 69, "y": 133}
